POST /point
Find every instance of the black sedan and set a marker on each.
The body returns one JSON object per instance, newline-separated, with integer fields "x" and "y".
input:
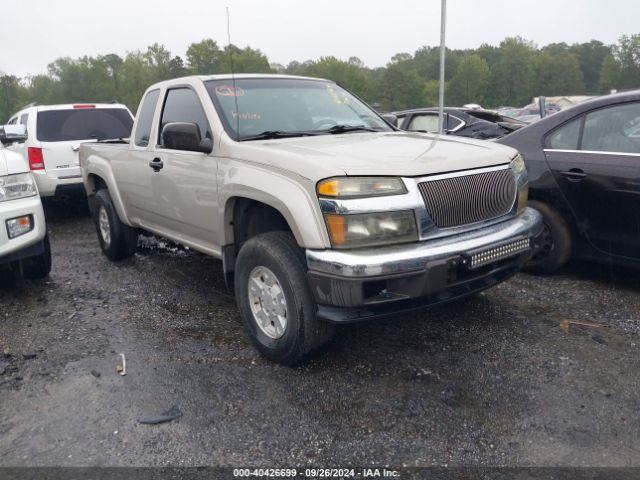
{"x": 463, "y": 122}
{"x": 584, "y": 176}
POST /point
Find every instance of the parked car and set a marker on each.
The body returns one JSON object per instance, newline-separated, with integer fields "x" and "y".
{"x": 508, "y": 111}
{"x": 24, "y": 245}
{"x": 531, "y": 113}
{"x": 54, "y": 135}
{"x": 584, "y": 177}
{"x": 320, "y": 211}
{"x": 463, "y": 122}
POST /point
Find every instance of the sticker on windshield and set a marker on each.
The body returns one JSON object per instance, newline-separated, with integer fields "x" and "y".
{"x": 229, "y": 91}
{"x": 337, "y": 98}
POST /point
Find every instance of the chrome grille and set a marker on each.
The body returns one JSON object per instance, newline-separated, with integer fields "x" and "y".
{"x": 465, "y": 199}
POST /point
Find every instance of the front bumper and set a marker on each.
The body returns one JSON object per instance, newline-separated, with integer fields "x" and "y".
{"x": 366, "y": 283}
{"x": 12, "y": 249}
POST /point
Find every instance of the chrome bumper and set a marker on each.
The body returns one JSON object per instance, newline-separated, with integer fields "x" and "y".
{"x": 399, "y": 259}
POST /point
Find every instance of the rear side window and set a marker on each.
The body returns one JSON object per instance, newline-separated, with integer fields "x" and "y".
{"x": 145, "y": 118}
{"x": 24, "y": 118}
{"x": 426, "y": 123}
{"x": 183, "y": 105}
{"x": 83, "y": 124}
{"x": 566, "y": 137}
{"x": 613, "y": 129}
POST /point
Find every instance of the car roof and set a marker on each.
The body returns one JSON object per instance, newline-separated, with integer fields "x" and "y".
{"x": 451, "y": 109}
{"x": 541, "y": 127}
{"x": 72, "y": 106}
{"x": 228, "y": 76}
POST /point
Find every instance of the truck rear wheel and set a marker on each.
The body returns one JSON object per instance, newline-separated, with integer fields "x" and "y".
{"x": 117, "y": 240}
{"x": 276, "y": 305}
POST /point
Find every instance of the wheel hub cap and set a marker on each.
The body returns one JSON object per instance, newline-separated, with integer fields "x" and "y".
{"x": 268, "y": 303}
{"x": 103, "y": 224}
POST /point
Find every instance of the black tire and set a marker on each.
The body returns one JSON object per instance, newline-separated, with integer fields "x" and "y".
{"x": 121, "y": 240}
{"x": 40, "y": 265}
{"x": 304, "y": 332}
{"x": 555, "y": 242}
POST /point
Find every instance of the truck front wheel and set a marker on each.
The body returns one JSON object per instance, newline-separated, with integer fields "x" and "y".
{"x": 276, "y": 305}
{"x": 117, "y": 240}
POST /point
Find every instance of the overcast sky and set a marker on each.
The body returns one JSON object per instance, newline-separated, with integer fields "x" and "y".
{"x": 35, "y": 32}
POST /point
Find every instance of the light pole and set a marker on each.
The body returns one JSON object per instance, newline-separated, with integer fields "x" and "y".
{"x": 443, "y": 21}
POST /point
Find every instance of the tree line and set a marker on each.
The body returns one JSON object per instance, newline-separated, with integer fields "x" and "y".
{"x": 509, "y": 74}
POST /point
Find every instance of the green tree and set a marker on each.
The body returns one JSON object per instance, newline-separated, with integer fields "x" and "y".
{"x": 243, "y": 60}
{"x": 431, "y": 92}
{"x": 627, "y": 53}
{"x": 591, "y": 55}
{"x": 610, "y": 74}
{"x": 351, "y": 75}
{"x": 399, "y": 88}
{"x": 557, "y": 73}
{"x": 12, "y": 96}
{"x": 203, "y": 58}
{"x": 135, "y": 77}
{"x": 512, "y": 76}
{"x": 469, "y": 84}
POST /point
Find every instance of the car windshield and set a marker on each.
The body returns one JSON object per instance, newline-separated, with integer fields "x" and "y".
{"x": 83, "y": 124}
{"x": 272, "y": 107}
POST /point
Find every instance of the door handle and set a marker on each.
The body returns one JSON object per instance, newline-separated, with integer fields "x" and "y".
{"x": 574, "y": 175}
{"x": 156, "y": 164}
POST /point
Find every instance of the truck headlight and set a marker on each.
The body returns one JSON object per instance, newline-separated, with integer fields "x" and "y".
{"x": 17, "y": 186}
{"x": 522, "y": 181}
{"x": 354, "y": 187}
{"x": 368, "y": 229}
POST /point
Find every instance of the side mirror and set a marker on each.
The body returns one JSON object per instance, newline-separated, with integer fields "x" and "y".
{"x": 391, "y": 119}
{"x": 13, "y": 134}
{"x": 185, "y": 136}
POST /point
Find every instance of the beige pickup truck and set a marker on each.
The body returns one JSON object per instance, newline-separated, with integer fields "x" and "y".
{"x": 321, "y": 211}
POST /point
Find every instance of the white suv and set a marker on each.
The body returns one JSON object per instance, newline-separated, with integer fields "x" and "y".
{"x": 54, "y": 135}
{"x": 24, "y": 245}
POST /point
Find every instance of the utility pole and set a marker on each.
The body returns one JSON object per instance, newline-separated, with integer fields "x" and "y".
{"x": 443, "y": 21}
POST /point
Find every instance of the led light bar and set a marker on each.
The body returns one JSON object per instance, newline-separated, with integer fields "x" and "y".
{"x": 499, "y": 253}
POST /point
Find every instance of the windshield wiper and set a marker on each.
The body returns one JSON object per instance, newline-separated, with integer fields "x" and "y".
{"x": 269, "y": 134}
{"x": 349, "y": 128}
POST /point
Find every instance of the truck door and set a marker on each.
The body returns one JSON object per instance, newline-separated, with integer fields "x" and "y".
{"x": 184, "y": 187}
{"x": 595, "y": 159}
{"x": 131, "y": 169}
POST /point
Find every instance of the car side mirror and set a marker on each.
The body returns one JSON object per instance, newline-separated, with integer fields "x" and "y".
{"x": 185, "y": 136}
{"x": 13, "y": 134}
{"x": 391, "y": 119}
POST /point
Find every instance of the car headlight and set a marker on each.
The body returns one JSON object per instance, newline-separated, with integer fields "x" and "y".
{"x": 368, "y": 229}
{"x": 519, "y": 170}
{"x": 17, "y": 186}
{"x": 354, "y": 187}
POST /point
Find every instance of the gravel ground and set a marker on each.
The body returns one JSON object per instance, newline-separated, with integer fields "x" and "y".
{"x": 537, "y": 371}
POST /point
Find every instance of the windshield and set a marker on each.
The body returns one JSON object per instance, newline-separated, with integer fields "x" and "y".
{"x": 83, "y": 124}
{"x": 291, "y": 106}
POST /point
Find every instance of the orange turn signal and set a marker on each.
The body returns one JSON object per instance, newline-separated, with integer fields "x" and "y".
{"x": 337, "y": 228}
{"x": 328, "y": 188}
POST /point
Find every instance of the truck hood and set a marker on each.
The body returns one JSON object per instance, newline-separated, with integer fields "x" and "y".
{"x": 395, "y": 153}
{"x": 12, "y": 162}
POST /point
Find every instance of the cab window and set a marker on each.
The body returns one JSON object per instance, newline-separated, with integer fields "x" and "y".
{"x": 145, "y": 118}
{"x": 183, "y": 105}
